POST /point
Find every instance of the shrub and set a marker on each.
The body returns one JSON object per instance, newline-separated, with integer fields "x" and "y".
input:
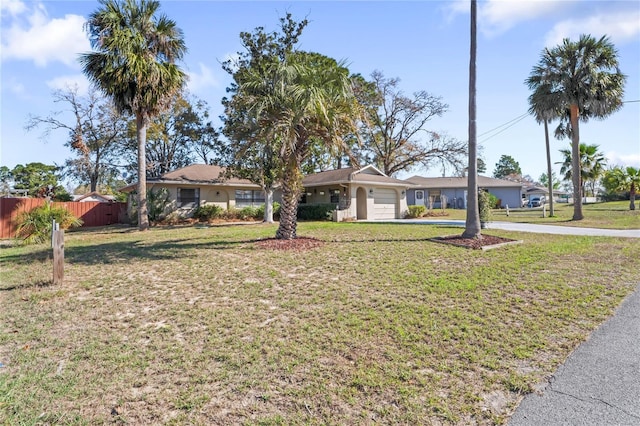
{"x": 492, "y": 200}
{"x": 484, "y": 206}
{"x": 315, "y": 211}
{"x": 276, "y": 211}
{"x": 208, "y": 212}
{"x": 157, "y": 202}
{"x": 247, "y": 213}
{"x": 416, "y": 211}
{"x": 34, "y": 226}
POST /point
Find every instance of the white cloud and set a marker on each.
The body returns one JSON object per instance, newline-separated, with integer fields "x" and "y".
{"x": 498, "y": 16}
{"x": 620, "y": 26}
{"x": 69, "y": 82}
{"x": 626, "y": 160}
{"x": 31, "y": 35}
{"x": 12, "y": 7}
{"x": 202, "y": 79}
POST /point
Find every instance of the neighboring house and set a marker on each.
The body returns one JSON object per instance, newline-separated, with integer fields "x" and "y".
{"x": 452, "y": 191}
{"x": 364, "y": 193}
{"x": 95, "y": 197}
{"x": 530, "y": 192}
{"x": 201, "y": 184}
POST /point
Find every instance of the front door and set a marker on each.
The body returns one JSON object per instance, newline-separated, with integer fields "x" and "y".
{"x": 419, "y": 197}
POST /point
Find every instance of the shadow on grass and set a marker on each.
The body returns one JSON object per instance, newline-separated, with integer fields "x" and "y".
{"x": 37, "y": 284}
{"x": 127, "y": 251}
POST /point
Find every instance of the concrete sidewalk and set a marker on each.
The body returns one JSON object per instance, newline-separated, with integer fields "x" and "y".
{"x": 599, "y": 384}
{"x": 527, "y": 227}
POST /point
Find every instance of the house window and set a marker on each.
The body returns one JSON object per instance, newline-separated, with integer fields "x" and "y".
{"x": 334, "y": 196}
{"x": 249, "y": 198}
{"x": 434, "y": 194}
{"x": 188, "y": 197}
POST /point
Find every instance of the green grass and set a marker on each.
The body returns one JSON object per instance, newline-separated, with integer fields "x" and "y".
{"x": 611, "y": 215}
{"x": 379, "y": 325}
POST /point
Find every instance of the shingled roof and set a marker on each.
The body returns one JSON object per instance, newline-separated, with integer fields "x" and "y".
{"x": 196, "y": 174}
{"x": 365, "y": 175}
{"x": 460, "y": 182}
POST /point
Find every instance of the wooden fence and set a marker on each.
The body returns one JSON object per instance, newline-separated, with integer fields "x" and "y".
{"x": 92, "y": 213}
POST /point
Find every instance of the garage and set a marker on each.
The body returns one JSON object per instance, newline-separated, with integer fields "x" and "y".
{"x": 384, "y": 203}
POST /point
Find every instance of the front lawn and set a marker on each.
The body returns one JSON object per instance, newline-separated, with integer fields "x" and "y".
{"x": 611, "y": 215}
{"x": 378, "y": 325}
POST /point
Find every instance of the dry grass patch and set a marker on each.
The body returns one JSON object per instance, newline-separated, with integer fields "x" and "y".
{"x": 375, "y": 325}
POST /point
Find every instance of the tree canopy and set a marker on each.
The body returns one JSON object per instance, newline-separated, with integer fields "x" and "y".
{"x": 579, "y": 79}
{"x": 592, "y": 166}
{"x": 39, "y": 180}
{"x": 623, "y": 179}
{"x": 506, "y": 166}
{"x": 96, "y": 132}
{"x": 134, "y": 63}
{"x": 394, "y": 130}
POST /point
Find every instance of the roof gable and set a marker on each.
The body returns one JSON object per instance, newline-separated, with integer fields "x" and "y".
{"x": 366, "y": 175}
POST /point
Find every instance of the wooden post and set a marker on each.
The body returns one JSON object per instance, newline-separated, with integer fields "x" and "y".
{"x": 507, "y": 207}
{"x": 58, "y": 256}
{"x": 544, "y": 210}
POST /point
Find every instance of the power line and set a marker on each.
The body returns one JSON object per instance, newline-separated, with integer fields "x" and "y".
{"x": 520, "y": 117}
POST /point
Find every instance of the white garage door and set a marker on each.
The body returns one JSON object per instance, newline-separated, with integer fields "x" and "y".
{"x": 384, "y": 203}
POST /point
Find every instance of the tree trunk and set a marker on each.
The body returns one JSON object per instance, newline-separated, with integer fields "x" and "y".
{"x": 576, "y": 172}
{"x": 632, "y": 196}
{"x": 472, "y": 225}
{"x": 268, "y": 205}
{"x": 546, "y": 139}
{"x": 289, "y": 207}
{"x": 141, "y": 133}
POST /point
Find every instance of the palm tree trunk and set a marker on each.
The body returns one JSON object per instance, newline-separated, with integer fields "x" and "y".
{"x": 546, "y": 139}
{"x": 472, "y": 225}
{"x": 632, "y": 196}
{"x": 576, "y": 173}
{"x": 289, "y": 207}
{"x": 141, "y": 134}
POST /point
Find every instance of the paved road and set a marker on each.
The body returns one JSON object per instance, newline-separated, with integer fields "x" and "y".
{"x": 599, "y": 384}
{"x": 528, "y": 227}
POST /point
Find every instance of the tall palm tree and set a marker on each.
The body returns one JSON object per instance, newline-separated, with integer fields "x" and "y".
{"x": 472, "y": 223}
{"x": 583, "y": 78}
{"x": 592, "y": 164}
{"x": 544, "y": 113}
{"x": 304, "y": 100}
{"x": 134, "y": 63}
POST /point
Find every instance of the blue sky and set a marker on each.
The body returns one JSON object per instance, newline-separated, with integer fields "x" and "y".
{"x": 424, "y": 43}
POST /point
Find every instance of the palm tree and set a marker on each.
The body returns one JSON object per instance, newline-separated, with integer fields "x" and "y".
{"x": 624, "y": 179}
{"x": 472, "y": 223}
{"x": 306, "y": 99}
{"x": 544, "y": 113}
{"x": 592, "y": 164}
{"x": 582, "y": 78}
{"x": 134, "y": 64}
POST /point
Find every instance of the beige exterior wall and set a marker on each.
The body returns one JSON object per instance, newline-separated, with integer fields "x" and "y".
{"x": 322, "y": 195}
{"x": 222, "y": 196}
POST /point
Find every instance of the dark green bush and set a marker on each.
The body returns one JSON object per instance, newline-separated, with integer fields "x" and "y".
{"x": 35, "y": 225}
{"x": 484, "y": 206}
{"x": 315, "y": 211}
{"x": 208, "y": 212}
{"x": 416, "y": 211}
